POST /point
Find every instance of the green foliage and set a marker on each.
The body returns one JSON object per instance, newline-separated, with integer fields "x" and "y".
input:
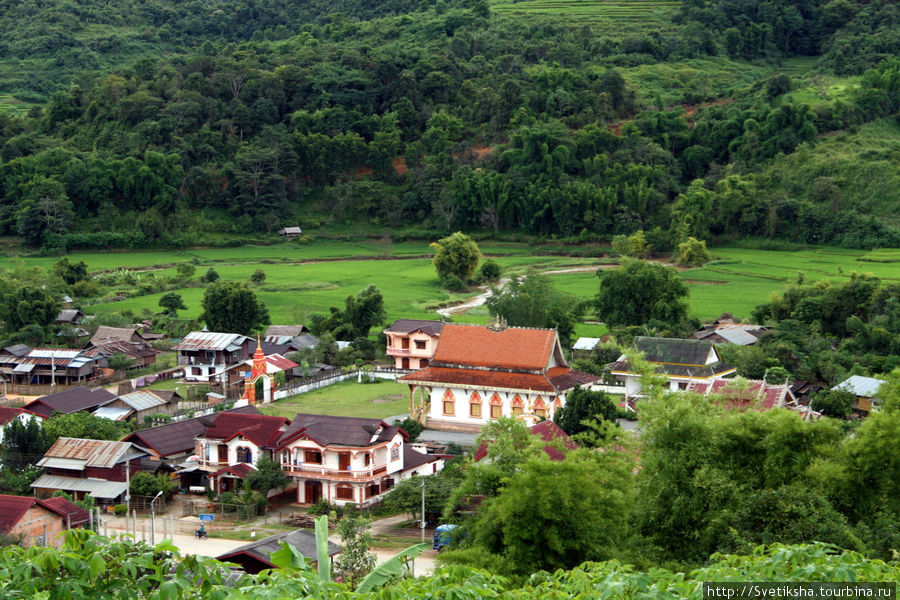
{"x": 210, "y": 276}
{"x": 120, "y": 361}
{"x": 70, "y": 272}
{"x": 234, "y": 308}
{"x": 457, "y": 255}
{"x": 533, "y": 302}
{"x": 360, "y": 314}
{"x": 258, "y": 277}
{"x": 639, "y": 291}
{"x": 185, "y": 271}
{"x": 412, "y": 427}
{"x": 23, "y": 444}
{"x": 144, "y": 483}
{"x": 693, "y": 252}
{"x": 267, "y": 476}
{"x": 25, "y": 306}
{"x": 833, "y": 403}
{"x": 581, "y": 405}
{"x": 407, "y": 495}
{"x": 172, "y": 302}
{"x": 120, "y": 510}
{"x": 489, "y": 272}
{"x": 84, "y": 425}
{"x": 356, "y": 559}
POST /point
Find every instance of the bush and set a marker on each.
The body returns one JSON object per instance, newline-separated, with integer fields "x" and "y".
{"x": 85, "y": 289}
{"x": 210, "y": 276}
{"x": 120, "y": 510}
{"x": 453, "y": 283}
{"x": 489, "y": 271}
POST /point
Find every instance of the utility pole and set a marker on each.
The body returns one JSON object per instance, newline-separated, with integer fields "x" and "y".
{"x": 127, "y": 487}
{"x": 153, "y": 519}
{"x": 52, "y": 369}
{"x": 423, "y": 510}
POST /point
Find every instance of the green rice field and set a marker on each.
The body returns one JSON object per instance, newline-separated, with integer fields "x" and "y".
{"x": 303, "y": 279}
{"x": 638, "y": 12}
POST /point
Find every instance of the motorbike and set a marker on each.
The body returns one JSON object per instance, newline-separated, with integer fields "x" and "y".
{"x": 201, "y": 534}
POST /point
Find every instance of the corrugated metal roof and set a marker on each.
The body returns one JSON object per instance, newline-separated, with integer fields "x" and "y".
{"x": 586, "y": 343}
{"x": 74, "y": 464}
{"x": 53, "y": 353}
{"x": 142, "y": 400}
{"x": 97, "y": 488}
{"x": 209, "y": 340}
{"x": 24, "y": 368}
{"x": 867, "y": 387}
{"x": 113, "y": 413}
{"x": 738, "y": 336}
{"x": 95, "y": 453}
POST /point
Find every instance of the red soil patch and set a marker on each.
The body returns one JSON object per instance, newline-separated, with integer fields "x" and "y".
{"x": 362, "y": 172}
{"x": 400, "y": 166}
{"x": 481, "y": 151}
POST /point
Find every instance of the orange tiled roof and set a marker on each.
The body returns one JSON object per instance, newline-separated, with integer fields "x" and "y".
{"x": 511, "y": 348}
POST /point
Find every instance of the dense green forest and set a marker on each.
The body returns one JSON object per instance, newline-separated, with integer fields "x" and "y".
{"x": 158, "y": 124}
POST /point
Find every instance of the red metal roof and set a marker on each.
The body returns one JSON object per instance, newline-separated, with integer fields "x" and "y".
{"x": 510, "y": 348}
{"x": 13, "y": 508}
{"x": 73, "y": 514}
{"x": 547, "y": 431}
{"x": 262, "y": 430}
{"x": 8, "y": 413}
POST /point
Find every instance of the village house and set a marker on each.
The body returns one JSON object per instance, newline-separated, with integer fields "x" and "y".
{"x": 106, "y": 334}
{"x": 725, "y": 330}
{"x": 206, "y": 355}
{"x": 174, "y": 442}
{"x": 412, "y": 342}
{"x": 80, "y": 467}
{"x": 70, "y": 317}
{"x": 229, "y": 449}
{"x": 584, "y": 346}
{"x": 60, "y": 366}
{"x": 39, "y": 522}
{"x": 140, "y": 404}
{"x": 865, "y": 389}
{"x": 70, "y": 401}
{"x": 256, "y": 556}
{"x": 681, "y": 361}
{"x": 479, "y": 374}
{"x": 281, "y": 339}
{"x": 752, "y": 394}
{"x": 141, "y": 355}
{"x": 348, "y": 459}
{"x": 9, "y": 413}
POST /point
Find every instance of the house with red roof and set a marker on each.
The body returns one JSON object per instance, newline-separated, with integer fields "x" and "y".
{"x": 481, "y": 373}
{"x": 39, "y": 522}
{"x": 230, "y": 447}
{"x": 751, "y": 394}
{"x": 349, "y": 459}
{"x": 8, "y": 413}
{"x": 412, "y": 342}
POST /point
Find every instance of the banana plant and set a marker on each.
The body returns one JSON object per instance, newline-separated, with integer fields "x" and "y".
{"x": 288, "y": 557}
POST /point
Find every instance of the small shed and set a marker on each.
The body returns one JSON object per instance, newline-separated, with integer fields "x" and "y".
{"x": 254, "y": 557}
{"x": 290, "y": 233}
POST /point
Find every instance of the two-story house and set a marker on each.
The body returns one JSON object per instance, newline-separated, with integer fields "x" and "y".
{"x": 229, "y": 448}
{"x": 80, "y": 467}
{"x": 481, "y": 373}
{"x": 412, "y": 342}
{"x": 62, "y": 366}
{"x": 348, "y": 459}
{"x": 206, "y": 355}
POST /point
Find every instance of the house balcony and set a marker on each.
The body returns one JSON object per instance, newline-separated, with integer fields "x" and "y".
{"x": 406, "y": 352}
{"x": 317, "y": 471}
{"x": 212, "y": 465}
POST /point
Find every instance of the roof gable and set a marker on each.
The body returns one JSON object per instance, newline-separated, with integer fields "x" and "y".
{"x": 93, "y": 453}
{"x": 510, "y": 348}
{"x": 342, "y": 431}
{"x": 13, "y": 508}
{"x": 209, "y": 340}
{"x": 70, "y": 401}
{"x": 262, "y": 430}
{"x": 431, "y": 328}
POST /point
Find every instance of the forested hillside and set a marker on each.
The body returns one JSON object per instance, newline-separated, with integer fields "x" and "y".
{"x": 153, "y": 123}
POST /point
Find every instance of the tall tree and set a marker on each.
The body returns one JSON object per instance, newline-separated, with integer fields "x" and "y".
{"x": 582, "y": 404}
{"x": 28, "y": 305}
{"x": 233, "y": 307}
{"x": 533, "y": 302}
{"x": 23, "y": 444}
{"x": 640, "y": 291}
{"x": 457, "y": 255}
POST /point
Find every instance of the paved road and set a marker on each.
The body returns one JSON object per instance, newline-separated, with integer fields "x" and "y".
{"x": 439, "y": 437}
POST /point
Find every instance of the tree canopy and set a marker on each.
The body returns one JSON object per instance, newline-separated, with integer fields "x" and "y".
{"x": 638, "y": 292}
{"x": 456, "y": 255}
{"x": 232, "y": 307}
{"x": 533, "y": 302}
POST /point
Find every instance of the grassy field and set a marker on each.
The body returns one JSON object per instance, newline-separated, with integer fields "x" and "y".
{"x": 347, "y": 399}
{"x": 607, "y": 16}
{"x": 303, "y": 279}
